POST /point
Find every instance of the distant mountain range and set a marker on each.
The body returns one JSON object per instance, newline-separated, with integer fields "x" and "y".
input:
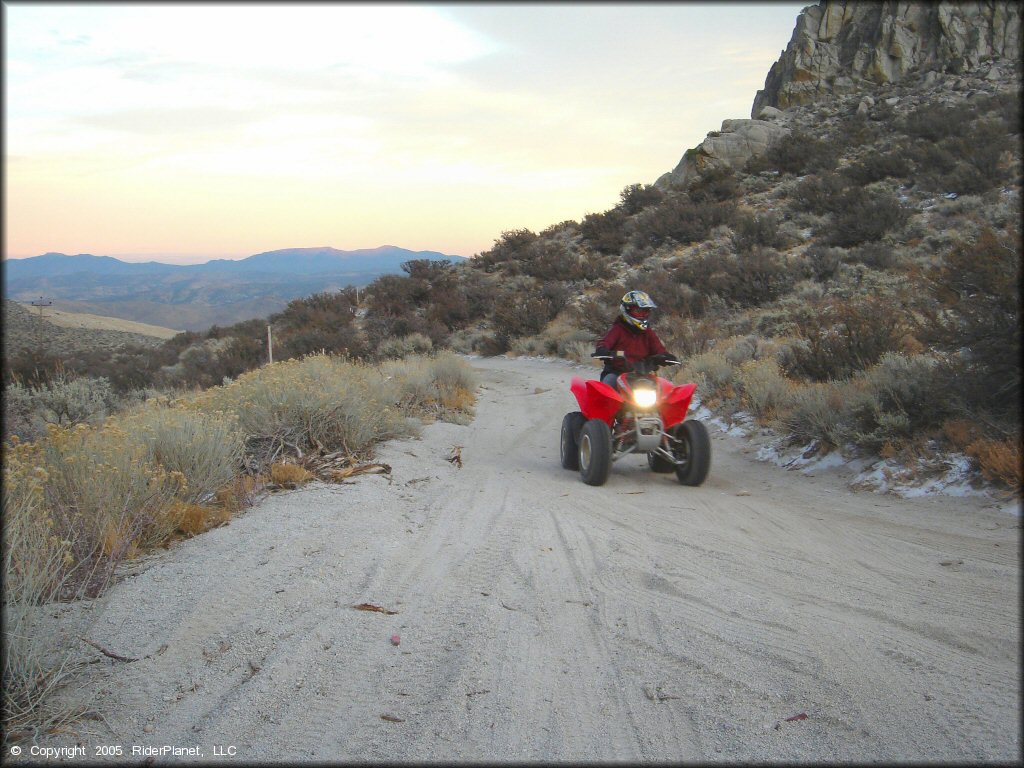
{"x": 196, "y": 296}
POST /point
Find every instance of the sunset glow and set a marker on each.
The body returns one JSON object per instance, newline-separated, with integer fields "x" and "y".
{"x": 189, "y": 132}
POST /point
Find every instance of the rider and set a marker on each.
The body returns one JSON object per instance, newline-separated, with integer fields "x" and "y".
{"x": 630, "y": 338}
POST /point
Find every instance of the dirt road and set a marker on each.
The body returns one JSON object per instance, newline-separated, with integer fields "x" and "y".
{"x": 765, "y": 616}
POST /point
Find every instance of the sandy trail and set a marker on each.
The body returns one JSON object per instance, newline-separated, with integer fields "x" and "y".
{"x": 542, "y": 619}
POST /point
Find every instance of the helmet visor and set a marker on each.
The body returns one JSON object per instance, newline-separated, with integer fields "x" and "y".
{"x": 640, "y": 313}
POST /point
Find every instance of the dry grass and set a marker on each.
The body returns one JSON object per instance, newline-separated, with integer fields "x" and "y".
{"x": 413, "y": 343}
{"x": 205, "y": 448}
{"x": 428, "y": 387}
{"x": 813, "y": 412}
{"x": 103, "y": 323}
{"x": 193, "y": 519}
{"x": 714, "y": 375}
{"x": 39, "y": 564}
{"x": 579, "y": 351}
{"x": 240, "y": 493}
{"x": 80, "y": 500}
{"x": 302, "y": 405}
{"x": 961, "y": 432}
{"x": 290, "y": 474}
{"x": 999, "y": 461}
{"x": 765, "y": 391}
{"x": 103, "y": 485}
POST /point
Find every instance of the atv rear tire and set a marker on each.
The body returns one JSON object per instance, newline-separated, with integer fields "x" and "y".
{"x": 694, "y": 451}
{"x": 595, "y": 452}
{"x": 570, "y": 447}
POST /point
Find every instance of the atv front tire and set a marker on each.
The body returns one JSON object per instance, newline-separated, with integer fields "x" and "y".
{"x": 595, "y": 452}
{"x": 694, "y": 450}
{"x": 570, "y": 447}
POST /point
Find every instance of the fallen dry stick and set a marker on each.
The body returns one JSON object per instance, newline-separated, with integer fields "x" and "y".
{"x": 374, "y": 608}
{"x": 337, "y": 475}
{"x": 105, "y": 652}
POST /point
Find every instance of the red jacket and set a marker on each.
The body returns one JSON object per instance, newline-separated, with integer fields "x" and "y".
{"x": 635, "y": 343}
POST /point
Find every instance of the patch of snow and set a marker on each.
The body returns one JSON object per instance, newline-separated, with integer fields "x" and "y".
{"x": 939, "y": 474}
{"x": 858, "y": 464}
{"x": 806, "y": 458}
{"x": 739, "y": 425}
{"x": 699, "y": 411}
{"x": 1012, "y": 508}
{"x": 949, "y": 476}
{"x": 830, "y": 460}
{"x": 770, "y": 452}
{"x": 733, "y": 430}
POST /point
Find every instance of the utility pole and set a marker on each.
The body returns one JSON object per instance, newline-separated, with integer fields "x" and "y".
{"x": 43, "y": 337}
{"x": 40, "y": 303}
{"x": 270, "y": 346}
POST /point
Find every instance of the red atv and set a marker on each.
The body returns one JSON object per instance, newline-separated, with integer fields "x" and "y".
{"x": 646, "y": 414}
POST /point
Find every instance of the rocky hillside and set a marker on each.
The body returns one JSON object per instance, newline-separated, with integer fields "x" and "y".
{"x": 853, "y": 47}
{"x": 843, "y": 53}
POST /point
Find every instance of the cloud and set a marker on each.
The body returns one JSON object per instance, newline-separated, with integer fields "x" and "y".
{"x": 172, "y": 121}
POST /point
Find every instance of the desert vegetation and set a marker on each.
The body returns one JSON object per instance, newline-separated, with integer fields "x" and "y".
{"x": 98, "y": 488}
{"x": 873, "y": 258}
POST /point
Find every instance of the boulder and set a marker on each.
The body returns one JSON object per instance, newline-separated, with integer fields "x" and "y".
{"x": 769, "y": 113}
{"x": 738, "y": 141}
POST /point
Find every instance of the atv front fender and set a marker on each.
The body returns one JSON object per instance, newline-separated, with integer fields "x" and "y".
{"x": 597, "y": 400}
{"x": 676, "y": 403}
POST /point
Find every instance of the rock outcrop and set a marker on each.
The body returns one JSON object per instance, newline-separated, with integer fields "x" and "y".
{"x": 731, "y": 147}
{"x": 846, "y": 48}
{"x": 841, "y": 47}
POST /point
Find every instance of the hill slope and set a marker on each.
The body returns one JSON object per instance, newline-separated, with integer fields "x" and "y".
{"x": 101, "y": 323}
{"x": 196, "y": 296}
{"x": 63, "y": 334}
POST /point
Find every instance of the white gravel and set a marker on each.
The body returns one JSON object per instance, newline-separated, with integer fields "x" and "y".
{"x": 541, "y": 619}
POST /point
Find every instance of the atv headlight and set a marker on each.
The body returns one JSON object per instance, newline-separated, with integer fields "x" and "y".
{"x": 645, "y": 398}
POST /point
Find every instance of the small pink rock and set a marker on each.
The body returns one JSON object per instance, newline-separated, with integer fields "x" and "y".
{"x": 395, "y": 639}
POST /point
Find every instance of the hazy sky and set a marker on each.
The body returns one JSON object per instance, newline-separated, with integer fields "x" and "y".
{"x": 188, "y": 132}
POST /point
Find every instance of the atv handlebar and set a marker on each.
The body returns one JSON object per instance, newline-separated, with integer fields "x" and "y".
{"x": 646, "y": 365}
{"x": 653, "y": 363}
